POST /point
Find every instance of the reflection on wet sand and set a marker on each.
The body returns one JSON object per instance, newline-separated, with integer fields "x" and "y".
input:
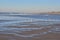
{"x": 32, "y": 32}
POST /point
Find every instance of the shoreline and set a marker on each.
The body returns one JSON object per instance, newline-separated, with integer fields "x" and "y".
{"x": 44, "y": 33}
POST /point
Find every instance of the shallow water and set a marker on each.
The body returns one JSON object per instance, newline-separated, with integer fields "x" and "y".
{"x": 27, "y": 26}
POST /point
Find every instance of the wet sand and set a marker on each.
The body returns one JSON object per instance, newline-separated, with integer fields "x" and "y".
{"x": 33, "y": 32}
{"x": 50, "y": 36}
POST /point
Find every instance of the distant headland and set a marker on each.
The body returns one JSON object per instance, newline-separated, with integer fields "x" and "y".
{"x": 54, "y": 12}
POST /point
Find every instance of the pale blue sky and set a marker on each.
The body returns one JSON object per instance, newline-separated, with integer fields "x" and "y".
{"x": 30, "y": 5}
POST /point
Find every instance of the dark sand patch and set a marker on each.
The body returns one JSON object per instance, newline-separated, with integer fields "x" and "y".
{"x": 50, "y": 36}
{"x": 11, "y": 37}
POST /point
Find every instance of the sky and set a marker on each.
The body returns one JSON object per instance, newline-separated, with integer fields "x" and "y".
{"x": 30, "y": 6}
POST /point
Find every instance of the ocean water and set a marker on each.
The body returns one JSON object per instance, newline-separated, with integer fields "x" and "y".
{"x": 23, "y": 25}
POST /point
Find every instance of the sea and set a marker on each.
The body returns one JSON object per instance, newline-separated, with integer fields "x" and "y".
{"x": 23, "y": 25}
